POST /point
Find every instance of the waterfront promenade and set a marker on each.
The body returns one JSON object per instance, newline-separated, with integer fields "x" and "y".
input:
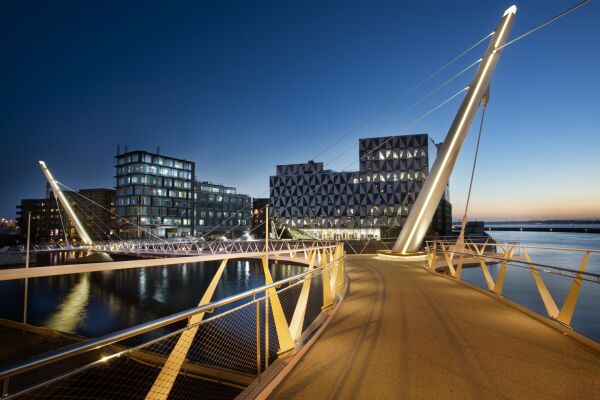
{"x": 405, "y": 333}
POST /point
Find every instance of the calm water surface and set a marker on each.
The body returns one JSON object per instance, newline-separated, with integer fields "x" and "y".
{"x": 96, "y": 303}
{"x": 520, "y": 287}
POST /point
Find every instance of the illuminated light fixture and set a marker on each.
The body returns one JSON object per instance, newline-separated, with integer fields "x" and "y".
{"x": 510, "y": 10}
{"x": 412, "y": 234}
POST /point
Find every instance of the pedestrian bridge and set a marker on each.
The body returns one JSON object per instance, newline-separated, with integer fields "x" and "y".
{"x": 418, "y": 335}
{"x": 350, "y": 326}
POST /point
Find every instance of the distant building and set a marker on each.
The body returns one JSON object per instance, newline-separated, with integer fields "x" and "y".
{"x": 441, "y": 225}
{"x": 155, "y": 193}
{"x": 475, "y": 228}
{"x": 220, "y": 210}
{"x": 366, "y": 204}
{"x": 259, "y": 217}
{"x": 49, "y": 221}
{"x": 46, "y": 225}
{"x": 97, "y": 213}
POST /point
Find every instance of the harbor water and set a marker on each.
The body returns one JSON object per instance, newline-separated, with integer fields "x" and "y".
{"x": 520, "y": 287}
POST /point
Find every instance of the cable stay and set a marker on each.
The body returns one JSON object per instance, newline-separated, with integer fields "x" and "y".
{"x": 404, "y": 95}
{"x": 331, "y": 177}
{"x": 384, "y": 108}
{"x": 429, "y": 77}
{"x": 460, "y": 242}
{"x": 548, "y": 22}
{"x": 111, "y": 212}
{"x": 377, "y": 114}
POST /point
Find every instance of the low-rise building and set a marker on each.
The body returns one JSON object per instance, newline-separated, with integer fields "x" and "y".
{"x": 221, "y": 211}
{"x": 50, "y": 222}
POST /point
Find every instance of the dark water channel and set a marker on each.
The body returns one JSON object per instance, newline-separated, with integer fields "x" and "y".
{"x": 96, "y": 303}
{"x": 520, "y": 287}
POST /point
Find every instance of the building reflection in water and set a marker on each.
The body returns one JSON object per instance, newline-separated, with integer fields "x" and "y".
{"x": 97, "y": 303}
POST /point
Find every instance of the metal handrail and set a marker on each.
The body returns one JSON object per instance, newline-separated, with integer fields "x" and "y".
{"x": 521, "y": 245}
{"x": 527, "y": 263}
{"x": 563, "y": 314}
{"x": 133, "y": 349}
{"x": 111, "y": 338}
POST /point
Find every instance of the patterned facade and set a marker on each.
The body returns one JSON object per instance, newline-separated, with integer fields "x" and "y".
{"x": 353, "y": 205}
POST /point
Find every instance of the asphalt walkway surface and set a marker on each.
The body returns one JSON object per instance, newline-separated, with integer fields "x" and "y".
{"x": 404, "y": 333}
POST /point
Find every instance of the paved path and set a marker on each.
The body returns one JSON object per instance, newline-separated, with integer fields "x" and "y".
{"x": 403, "y": 333}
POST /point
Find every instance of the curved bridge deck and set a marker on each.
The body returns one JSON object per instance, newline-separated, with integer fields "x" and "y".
{"x": 404, "y": 333}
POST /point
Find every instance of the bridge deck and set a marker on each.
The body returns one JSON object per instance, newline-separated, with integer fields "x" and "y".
{"x": 403, "y": 333}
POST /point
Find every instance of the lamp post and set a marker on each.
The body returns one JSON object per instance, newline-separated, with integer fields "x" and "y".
{"x": 27, "y": 267}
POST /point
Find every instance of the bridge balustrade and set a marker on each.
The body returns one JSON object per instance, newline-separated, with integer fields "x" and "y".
{"x": 220, "y": 349}
{"x": 567, "y": 295}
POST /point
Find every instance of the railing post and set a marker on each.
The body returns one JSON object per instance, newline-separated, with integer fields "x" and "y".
{"x": 484, "y": 268}
{"x": 266, "y": 331}
{"x": 500, "y": 279}
{"x": 258, "y": 336}
{"x": 299, "y": 312}
{"x": 568, "y": 307}
{"x": 166, "y": 378}
{"x": 334, "y": 265}
{"x": 459, "y": 266}
{"x": 448, "y": 259}
{"x": 549, "y": 303}
{"x": 327, "y": 297}
{"x": 340, "y": 270}
{"x": 283, "y": 331}
{"x": 267, "y": 228}
{"x": 434, "y": 257}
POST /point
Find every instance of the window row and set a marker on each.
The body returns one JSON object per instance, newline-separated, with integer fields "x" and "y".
{"x": 154, "y": 159}
{"x": 151, "y": 191}
{"x": 153, "y": 170}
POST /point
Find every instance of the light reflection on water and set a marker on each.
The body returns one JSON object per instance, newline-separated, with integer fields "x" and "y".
{"x": 520, "y": 287}
{"x": 67, "y": 316}
{"x": 96, "y": 303}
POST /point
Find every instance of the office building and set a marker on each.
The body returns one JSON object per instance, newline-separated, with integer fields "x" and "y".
{"x": 354, "y": 205}
{"x": 154, "y": 195}
{"x": 221, "y": 211}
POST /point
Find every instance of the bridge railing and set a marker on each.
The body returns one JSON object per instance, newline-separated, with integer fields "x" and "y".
{"x": 560, "y": 283}
{"x": 196, "y": 247}
{"x": 219, "y": 349}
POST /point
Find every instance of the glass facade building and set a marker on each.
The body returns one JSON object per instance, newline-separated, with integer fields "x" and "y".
{"x": 354, "y": 205}
{"x": 221, "y": 211}
{"x": 155, "y": 193}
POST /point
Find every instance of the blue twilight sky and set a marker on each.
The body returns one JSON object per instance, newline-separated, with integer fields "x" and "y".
{"x": 242, "y": 86}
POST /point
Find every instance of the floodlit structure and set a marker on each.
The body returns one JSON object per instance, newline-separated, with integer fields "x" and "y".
{"x": 354, "y": 204}
{"x": 61, "y": 198}
{"x": 411, "y": 237}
